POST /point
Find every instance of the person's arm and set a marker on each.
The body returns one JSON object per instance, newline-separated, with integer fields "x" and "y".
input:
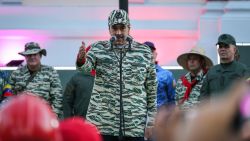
{"x": 80, "y": 60}
{"x": 151, "y": 90}
{"x": 12, "y": 81}
{"x": 87, "y": 60}
{"x": 178, "y": 92}
{"x": 56, "y": 94}
{"x": 171, "y": 89}
{"x": 68, "y": 99}
{"x": 204, "y": 92}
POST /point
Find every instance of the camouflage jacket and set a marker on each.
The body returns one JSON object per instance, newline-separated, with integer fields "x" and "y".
{"x": 45, "y": 84}
{"x": 194, "y": 97}
{"x": 139, "y": 86}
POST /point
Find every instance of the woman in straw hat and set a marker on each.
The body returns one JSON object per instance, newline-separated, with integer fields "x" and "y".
{"x": 188, "y": 86}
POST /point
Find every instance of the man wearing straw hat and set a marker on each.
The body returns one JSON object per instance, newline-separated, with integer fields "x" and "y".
{"x": 39, "y": 79}
{"x": 188, "y": 86}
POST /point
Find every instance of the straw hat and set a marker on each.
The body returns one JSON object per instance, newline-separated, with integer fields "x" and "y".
{"x": 182, "y": 59}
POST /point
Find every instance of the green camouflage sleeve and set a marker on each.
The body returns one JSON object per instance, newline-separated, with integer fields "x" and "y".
{"x": 56, "y": 94}
{"x": 151, "y": 89}
{"x": 178, "y": 91}
{"x": 12, "y": 81}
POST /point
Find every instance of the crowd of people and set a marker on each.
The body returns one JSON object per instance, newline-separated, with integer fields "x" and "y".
{"x": 121, "y": 93}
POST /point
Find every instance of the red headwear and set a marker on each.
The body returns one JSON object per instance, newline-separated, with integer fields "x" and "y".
{"x": 77, "y": 129}
{"x": 28, "y": 118}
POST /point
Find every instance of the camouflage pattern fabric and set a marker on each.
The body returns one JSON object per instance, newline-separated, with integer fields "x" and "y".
{"x": 139, "y": 88}
{"x": 194, "y": 97}
{"x": 45, "y": 84}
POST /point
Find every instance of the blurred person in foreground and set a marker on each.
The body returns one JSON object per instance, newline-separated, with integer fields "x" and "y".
{"x": 188, "y": 86}
{"x": 123, "y": 100}
{"x": 226, "y": 119}
{"x": 27, "y": 117}
{"x": 39, "y": 79}
{"x": 220, "y": 77}
{"x": 78, "y": 129}
{"x": 165, "y": 81}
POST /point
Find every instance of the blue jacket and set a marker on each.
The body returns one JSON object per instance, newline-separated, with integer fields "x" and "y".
{"x": 4, "y": 76}
{"x": 166, "y": 87}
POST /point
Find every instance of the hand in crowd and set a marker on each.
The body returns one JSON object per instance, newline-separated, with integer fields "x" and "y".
{"x": 148, "y": 133}
{"x": 217, "y": 120}
{"x": 29, "y": 118}
{"x": 168, "y": 119}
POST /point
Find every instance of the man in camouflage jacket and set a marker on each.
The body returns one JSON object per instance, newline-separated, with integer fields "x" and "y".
{"x": 188, "y": 86}
{"x": 39, "y": 79}
{"x": 123, "y": 101}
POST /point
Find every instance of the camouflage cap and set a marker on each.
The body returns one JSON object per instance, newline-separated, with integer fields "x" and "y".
{"x": 118, "y": 17}
{"x": 32, "y": 48}
{"x": 226, "y": 39}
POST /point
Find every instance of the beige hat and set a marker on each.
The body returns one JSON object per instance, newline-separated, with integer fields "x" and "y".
{"x": 182, "y": 59}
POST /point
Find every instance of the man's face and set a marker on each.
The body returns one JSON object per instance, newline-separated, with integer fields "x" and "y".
{"x": 194, "y": 62}
{"x": 226, "y": 52}
{"x": 120, "y": 31}
{"x": 33, "y": 60}
{"x": 154, "y": 55}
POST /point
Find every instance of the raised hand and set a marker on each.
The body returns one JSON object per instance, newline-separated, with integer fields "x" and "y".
{"x": 81, "y": 52}
{"x": 81, "y": 56}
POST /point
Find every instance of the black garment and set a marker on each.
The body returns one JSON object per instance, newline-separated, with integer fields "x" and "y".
{"x": 116, "y": 138}
{"x": 220, "y": 77}
{"x": 77, "y": 95}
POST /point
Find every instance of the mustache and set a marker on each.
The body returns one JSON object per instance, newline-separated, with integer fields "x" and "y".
{"x": 120, "y": 36}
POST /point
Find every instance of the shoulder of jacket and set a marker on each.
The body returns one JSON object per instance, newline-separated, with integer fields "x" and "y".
{"x": 45, "y": 67}
{"x": 140, "y": 45}
{"x": 20, "y": 69}
{"x": 215, "y": 67}
{"x": 101, "y": 43}
{"x": 242, "y": 65}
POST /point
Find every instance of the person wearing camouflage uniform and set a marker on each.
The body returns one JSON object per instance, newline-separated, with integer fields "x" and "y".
{"x": 36, "y": 78}
{"x": 188, "y": 86}
{"x": 123, "y": 101}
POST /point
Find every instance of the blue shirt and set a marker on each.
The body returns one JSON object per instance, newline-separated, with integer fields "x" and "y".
{"x": 165, "y": 89}
{"x": 4, "y": 76}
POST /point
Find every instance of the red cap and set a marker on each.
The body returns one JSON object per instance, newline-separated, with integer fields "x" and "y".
{"x": 28, "y": 118}
{"x": 78, "y": 129}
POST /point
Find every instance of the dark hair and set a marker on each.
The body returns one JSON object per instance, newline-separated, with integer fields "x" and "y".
{"x": 150, "y": 45}
{"x": 237, "y": 54}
